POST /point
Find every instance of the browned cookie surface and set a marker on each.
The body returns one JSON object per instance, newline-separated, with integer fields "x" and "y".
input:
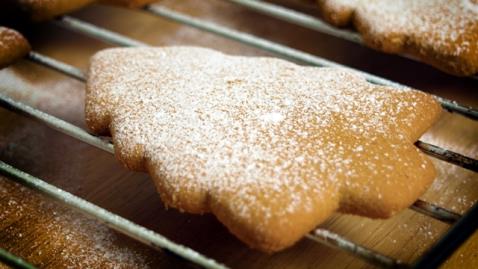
{"x": 39, "y": 10}
{"x": 271, "y": 148}
{"x": 12, "y": 46}
{"x": 443, "y": 33}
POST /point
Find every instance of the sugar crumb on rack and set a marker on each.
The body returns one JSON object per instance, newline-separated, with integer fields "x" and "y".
{"x": 50, "y": 235}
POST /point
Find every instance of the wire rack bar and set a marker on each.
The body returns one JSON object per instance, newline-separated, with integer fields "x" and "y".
{"x": 336, "y": 241}
{"x": 55, "y": 123}
{"x": 435, "y": 212}
{"x": 299, "y": 18}
{"x": 56, "y": 65}
{"x": 452, "y": 240}
{"x": 290, "y": 53}
{"x": 448, "y": 156}
{"x": 87, "y": 28}
{"x": 114, "y": 221}
{"x": 307, "y": 21}
{"x": 14, "y": 261}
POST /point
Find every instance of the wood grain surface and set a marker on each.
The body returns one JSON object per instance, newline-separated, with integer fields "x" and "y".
{"x": 99, "y": 178}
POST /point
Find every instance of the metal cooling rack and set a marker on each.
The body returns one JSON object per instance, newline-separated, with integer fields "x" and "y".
{"x": 462, "y": 226}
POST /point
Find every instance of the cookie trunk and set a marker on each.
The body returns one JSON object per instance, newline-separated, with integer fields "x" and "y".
{"x": 269, "y": 223}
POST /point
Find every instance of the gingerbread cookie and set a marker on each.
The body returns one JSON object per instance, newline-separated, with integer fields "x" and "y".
{"x": 12, "y": 46}
{"x": 39, "y": 10}
{"x": 443, "y": 33}
{"x": 129, "y": 3}
{"x": 269, "y": 147}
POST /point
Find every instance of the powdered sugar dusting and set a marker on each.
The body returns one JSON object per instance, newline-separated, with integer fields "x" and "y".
{"x": 7, "y": 36}
{"x": 258, "y": 141}
{"x": 51, "y": 236}
{"x": 471, "y": 5}
{"x": 443, "y": 32}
